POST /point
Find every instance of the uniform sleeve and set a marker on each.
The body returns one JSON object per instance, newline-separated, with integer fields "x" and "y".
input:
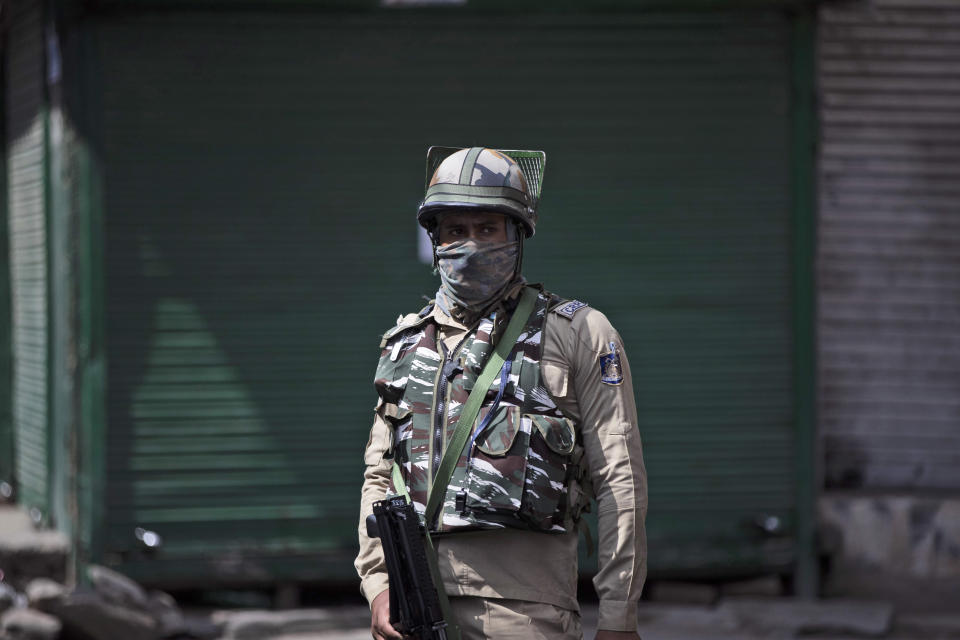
{"x": 611, "y": 438}
{"x": 376, "y": 479}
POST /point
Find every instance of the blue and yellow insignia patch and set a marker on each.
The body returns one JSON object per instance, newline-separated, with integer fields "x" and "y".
{"x": 610, "y": 370}
{"x": 567, "y": 309}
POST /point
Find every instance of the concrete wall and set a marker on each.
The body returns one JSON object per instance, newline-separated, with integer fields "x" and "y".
{"x": 903, "y": 534}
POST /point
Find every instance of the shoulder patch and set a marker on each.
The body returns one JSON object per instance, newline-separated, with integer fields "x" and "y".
{"x": 403, "y": 322}
{"x": 570, "y": 307}
{"x": 611, "y": 372}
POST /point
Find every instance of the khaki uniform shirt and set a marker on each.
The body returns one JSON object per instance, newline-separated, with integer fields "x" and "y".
{"x": 527, "y": 565}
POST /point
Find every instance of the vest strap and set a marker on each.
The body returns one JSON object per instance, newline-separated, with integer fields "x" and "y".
{"x": 398, "y": 482}
{"x": 438, "y": 489}
{"x": 453, "y": 629}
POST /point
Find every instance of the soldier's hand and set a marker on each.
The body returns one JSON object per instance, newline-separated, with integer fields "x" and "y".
{"x": 604, "y": 634}
{"x": 380, "y": 626}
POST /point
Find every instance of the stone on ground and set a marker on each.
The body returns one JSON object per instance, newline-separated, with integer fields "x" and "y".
{"x": 43, "y": 592}
{"x": 117, "y": 588}
{"x": 29, "y": 624}
{"x": 90, "y": 614}
{"x": 163, "y": 608}
{"x": 8, "y": 596}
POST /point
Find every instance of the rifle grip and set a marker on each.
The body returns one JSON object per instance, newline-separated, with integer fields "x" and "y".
{"x": 373, "y": 531}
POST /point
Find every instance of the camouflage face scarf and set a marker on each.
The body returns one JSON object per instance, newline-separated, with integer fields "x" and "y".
{"x": 474, "y": 274}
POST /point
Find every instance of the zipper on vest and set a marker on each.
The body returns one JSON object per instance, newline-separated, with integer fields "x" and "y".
{"x": 440, "y": 396}
{"x": 440, "y": 407}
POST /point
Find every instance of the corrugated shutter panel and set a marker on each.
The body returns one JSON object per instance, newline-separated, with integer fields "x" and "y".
{"x": 889, "y": 263}
{"x": 28, "y": 253}
{"x": 262, "y": 173}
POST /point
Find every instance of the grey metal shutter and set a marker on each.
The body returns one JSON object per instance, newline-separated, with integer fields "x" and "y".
{"x": 262, "y": 173}
{"x": 889, "y": 262}
{"x": 28, "y": 253}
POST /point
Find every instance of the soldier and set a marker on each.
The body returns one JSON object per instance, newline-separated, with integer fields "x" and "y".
{"x": 557, "y": 427}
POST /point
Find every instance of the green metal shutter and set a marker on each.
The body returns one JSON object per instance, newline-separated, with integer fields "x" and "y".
{"x": 28, "y": 253}
{"x": 261, "y": 177}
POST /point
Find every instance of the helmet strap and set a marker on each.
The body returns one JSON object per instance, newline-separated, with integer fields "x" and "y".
{"x": 518, "y": 231}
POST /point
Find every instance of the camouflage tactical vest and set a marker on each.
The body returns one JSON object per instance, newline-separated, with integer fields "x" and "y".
{"x": 518, "y": 465}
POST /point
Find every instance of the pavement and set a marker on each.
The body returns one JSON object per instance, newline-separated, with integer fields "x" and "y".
{"x": 738, "y": 618}
{"x": 859, "y": 605}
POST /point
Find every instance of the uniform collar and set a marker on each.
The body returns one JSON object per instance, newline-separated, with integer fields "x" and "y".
{"x": 441, "y": 318}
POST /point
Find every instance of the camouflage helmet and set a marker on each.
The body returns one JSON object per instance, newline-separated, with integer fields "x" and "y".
{"x": 478, "y": 178}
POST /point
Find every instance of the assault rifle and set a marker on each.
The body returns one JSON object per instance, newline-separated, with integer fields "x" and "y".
{"x": 414, "y": 604}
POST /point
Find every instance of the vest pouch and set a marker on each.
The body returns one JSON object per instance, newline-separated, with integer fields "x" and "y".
{"x": 495, "y": 474}
{"x": 401, "y": 421}
{"x": 552, "y": 442}
{"x": 396, "y": 361}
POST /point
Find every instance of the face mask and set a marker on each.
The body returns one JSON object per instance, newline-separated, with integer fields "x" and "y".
{"x": 473, "y": 273}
